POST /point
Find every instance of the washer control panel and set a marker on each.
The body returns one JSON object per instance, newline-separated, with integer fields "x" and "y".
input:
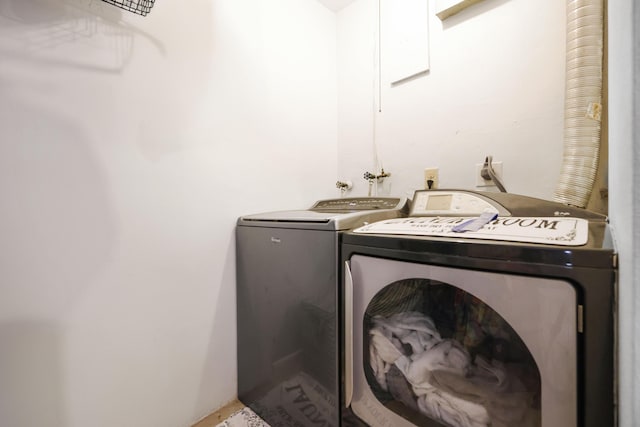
{"x": 453, "y": 203}
{"x": 358, "y": 204}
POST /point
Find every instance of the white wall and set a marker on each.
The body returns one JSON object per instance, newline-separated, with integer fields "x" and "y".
{"x": 495, "y": 86}
{"x": 624, "y": 179}
{"x": 128, "y": 147}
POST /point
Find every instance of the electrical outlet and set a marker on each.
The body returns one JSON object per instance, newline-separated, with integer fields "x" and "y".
{"x": 431, "y": 180}
{"x": 480, "y": 181}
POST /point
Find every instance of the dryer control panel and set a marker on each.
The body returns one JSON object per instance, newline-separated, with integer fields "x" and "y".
{"x": 453, "y": 203}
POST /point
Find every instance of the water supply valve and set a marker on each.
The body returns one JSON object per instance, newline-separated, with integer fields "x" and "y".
{"x": 344, "y": 186}
{"x": 375, "y": 179}
{"x": 372, "y": 177}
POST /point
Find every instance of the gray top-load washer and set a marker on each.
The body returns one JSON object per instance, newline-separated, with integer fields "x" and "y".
{"x": 287, "y": 307}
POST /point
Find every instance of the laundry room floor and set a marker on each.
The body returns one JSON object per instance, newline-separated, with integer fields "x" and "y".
{"x": 235, "y": 414}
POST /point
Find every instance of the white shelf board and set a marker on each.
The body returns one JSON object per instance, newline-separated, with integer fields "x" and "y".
{"x": 447, "y": 8}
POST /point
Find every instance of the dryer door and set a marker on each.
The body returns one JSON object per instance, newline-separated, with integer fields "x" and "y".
{"x": 443, "y": 346}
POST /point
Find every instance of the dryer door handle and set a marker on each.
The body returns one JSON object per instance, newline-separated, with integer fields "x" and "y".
{"x": 348, "y": 335}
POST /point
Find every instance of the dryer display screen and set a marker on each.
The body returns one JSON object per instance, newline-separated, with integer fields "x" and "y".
{"x": 439, "y": 203}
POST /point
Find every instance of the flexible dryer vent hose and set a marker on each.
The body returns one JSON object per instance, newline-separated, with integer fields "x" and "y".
{"x": 583, "y": 101}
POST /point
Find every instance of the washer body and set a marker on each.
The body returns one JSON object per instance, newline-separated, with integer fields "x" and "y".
{"x": 538, "y": 319}
{"x": 288, "y": 267}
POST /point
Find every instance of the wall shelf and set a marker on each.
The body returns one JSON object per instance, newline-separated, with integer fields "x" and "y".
{"x": 447, "y": 8}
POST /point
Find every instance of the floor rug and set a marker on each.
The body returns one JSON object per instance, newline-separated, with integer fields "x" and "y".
{"x": 243, "y": 418}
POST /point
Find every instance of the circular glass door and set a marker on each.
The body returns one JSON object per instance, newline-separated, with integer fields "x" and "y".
{"x": 434, "y": 352}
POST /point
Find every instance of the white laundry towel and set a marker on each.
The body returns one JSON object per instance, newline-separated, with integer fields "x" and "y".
{"x": 491, "y": 375}
{"x": 452, "y": 410}
{"x": 388, "y": 336}
{"x": 412, "y": 328}
{"x": 507, "y": 400}
{"x": 448, "y": 386}
{"x": 382, "y": 354}
{"x": 448, "y": 355}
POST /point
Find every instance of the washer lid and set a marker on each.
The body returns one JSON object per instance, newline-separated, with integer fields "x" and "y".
{"x": 333, "y": 214}
{"x": 292, "y": 216}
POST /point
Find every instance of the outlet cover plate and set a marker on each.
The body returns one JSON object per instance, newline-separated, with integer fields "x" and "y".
{"x": 431, "y": 174}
